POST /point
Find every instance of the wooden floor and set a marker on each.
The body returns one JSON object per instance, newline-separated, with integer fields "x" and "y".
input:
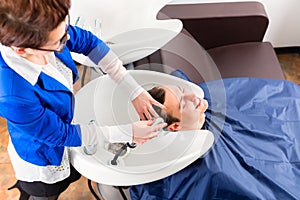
{"x": 79, "y": 191}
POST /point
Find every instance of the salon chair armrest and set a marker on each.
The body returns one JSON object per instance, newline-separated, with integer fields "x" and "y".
{"x": 218, "y": 24}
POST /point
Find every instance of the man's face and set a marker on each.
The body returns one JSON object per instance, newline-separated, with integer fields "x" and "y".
{"x": 185, "y": 106}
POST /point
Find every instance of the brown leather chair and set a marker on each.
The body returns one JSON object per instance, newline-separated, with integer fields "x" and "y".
{"x": 218, "y": 40}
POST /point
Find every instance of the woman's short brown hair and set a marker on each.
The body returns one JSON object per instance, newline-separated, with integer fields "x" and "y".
{"x": 27, "y": 23}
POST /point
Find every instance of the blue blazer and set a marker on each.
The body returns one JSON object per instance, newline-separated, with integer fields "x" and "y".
{"x": 39, "y": 116}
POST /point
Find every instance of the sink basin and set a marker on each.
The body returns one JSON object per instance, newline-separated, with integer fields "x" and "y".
{"x": 162, "y": 156}
{"x": 133, "y": 45}
{"x": 130, "y": 28}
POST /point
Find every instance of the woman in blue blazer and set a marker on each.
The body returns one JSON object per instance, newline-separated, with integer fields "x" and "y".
{"x": 36, "y": 94}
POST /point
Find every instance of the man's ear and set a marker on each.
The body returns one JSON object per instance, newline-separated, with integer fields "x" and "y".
{"x": 174, "y": 126}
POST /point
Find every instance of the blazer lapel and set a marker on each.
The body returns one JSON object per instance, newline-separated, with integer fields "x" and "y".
{"x": 51, "y": 84}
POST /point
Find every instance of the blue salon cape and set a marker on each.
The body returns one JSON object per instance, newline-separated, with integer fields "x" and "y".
{"x": 256, "y": 154}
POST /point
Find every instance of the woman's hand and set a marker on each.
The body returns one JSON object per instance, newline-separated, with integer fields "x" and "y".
{"x": 143, "y": 131}
{"x": 143, "y": 105}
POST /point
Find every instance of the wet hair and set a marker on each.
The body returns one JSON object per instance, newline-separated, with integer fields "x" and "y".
{"x": 27, "y": 23}
{"x": 159, "y": 95}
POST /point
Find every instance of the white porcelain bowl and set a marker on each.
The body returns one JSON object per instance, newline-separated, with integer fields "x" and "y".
{"x": 131, "y": 28}
{"x": 103, "y": 101}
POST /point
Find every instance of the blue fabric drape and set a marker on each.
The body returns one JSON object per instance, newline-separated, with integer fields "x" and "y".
{"x": 256, "y": 155}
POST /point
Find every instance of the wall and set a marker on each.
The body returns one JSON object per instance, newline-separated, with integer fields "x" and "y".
{"x": 284, "y": 16}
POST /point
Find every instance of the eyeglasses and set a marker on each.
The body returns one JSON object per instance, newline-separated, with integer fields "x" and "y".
{"x": 62, "y": 41}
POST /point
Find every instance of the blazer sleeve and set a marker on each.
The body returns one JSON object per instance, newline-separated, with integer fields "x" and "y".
{"x": 86, "y": 43}
{"x": 27, "y": 119}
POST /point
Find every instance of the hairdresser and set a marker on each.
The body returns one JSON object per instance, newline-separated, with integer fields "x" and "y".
{"x": 37, "y": 74}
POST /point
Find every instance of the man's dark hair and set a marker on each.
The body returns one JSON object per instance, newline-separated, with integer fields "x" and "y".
{"x": 159, "y": 95}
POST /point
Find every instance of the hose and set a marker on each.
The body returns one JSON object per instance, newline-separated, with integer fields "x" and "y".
{"x": 92, "y": 190}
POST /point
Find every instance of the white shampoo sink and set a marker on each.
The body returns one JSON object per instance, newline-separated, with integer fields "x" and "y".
{"x": 129, "y": 27}
{"x": 103, "y": 101}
